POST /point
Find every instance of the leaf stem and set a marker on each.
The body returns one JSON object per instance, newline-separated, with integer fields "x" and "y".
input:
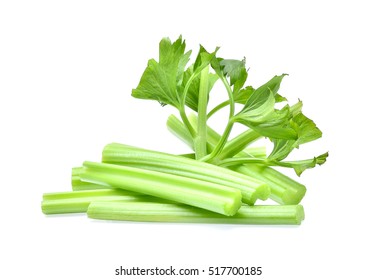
{"x": 245, "y": 160}
{"x": 186, "y": 121}
{"x": 217, "y": 108}
{"x": 182, "y": 111}
{"x": 220, "y": 145}
{"x": 200, "y": 141}
{"x": 238, "y": 143}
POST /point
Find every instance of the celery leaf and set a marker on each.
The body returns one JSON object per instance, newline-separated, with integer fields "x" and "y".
{"x": 306, "y": 130}
{"x": 161, "y": 80}
{"x": 301, "y": 165}
{"x": 259, "y": 112}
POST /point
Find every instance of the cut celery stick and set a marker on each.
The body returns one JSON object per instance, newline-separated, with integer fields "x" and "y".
{"x": 158, "y": 212}
{"x": 251, "y": 189}
{"x": 284, "y": 190}
{"x": 78, "y": 185}
{"x": 88, "y": 193}
{"x": 78, "y": 201}
{"x": 206, "y": 195}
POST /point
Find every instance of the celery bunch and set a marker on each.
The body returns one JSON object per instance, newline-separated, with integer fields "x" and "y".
{"x": 222, "y": 178}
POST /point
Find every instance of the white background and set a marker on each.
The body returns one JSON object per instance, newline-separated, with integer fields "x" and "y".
{"x": 67, "y": 69}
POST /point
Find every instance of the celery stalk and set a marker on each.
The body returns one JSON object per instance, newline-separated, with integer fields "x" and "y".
{"x": 284, "y": 190}
{"x": 159, "y": 212}
{"x": 200, "y": 141}
{"x": 206, "y": 195}
{"x": 251, "y": 189}
{"x": 78, "y": 185}
{"x": 78, "y": 201}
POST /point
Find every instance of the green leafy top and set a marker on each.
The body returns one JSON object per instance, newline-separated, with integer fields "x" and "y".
{"x": 171, "y": 81}
{"x": 161, "y": 80}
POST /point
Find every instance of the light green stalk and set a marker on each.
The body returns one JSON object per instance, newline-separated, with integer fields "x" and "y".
{"x": 78, "y": 185}
{"x": 206, "y": 195}
{"x": 158, "y": 212}
{"x": 78, "y": 201}
{"x": 284, "y": 190}
{"x": 200, "y": 139}
{"x": 151, "y": 160}
{"x": 224, "y": 137}
{"x": 217, "y": 108}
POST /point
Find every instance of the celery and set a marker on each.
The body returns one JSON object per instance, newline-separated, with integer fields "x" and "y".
{"x": 78, "y": 201}
{"x": 221, "y": 173}
{"x": 78, "y": 185}
{"x": 160, "y": 212}
{"x": 251, "y": 189}
{"x": 200, "y": 141}
{"x": 206, "y": 195}
{"x": 284, "y": 190}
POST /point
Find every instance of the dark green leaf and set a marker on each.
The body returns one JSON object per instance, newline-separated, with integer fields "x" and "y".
{"x": 301, "y": 165}
{"x": 263, "y": 91}
{"x": 203, "y": 58}
{"x": 234, "y": 69}
{"x": 306, "y": 131}
{"x": 215, "y": 64}
{"x": 160, "y": 80}
{"x": 275, "y": 125}
{"x": 243, "y": 95}
{"x": 259, "y": 112}
{"x": 279, "y": 98}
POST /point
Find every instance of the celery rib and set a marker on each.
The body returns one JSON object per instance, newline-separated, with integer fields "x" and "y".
{"x": 206, "y": 195}
{"x": 78, "y": 185}
{"x": 78, "y": 201}
{"x": 159, "y": 212}
{"x": 251, "y": 189}
{"x": 284, "y": 190}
